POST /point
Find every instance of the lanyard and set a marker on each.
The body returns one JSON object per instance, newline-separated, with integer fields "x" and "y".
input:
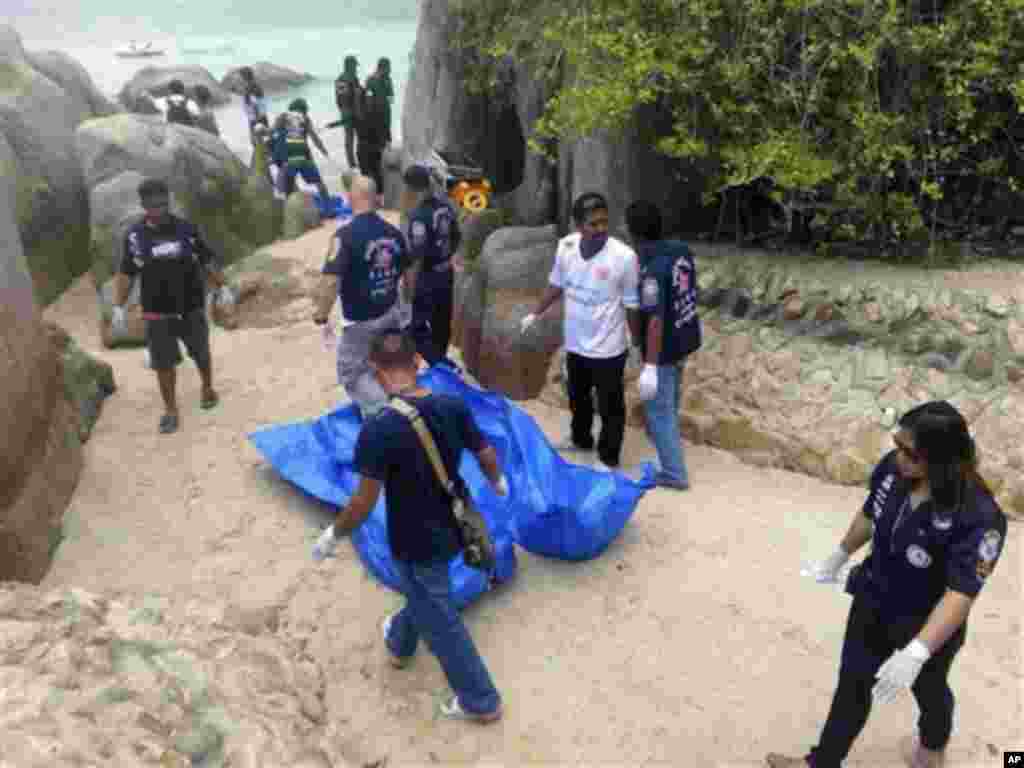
{"x": 899, "y": 519}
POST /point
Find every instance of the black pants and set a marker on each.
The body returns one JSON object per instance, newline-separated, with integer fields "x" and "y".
{"x": 350, "y": 146}
{"x": 432, "y": 324}
{"x": 162, "y": 340}
{"x": 587, "y": 374}
{"x": 370, "y": 160}
{"x": 869, "y": 641}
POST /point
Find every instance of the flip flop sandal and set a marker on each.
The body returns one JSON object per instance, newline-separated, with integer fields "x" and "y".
{"x": 209, "y": 401}
{"x": 168, "y": 424}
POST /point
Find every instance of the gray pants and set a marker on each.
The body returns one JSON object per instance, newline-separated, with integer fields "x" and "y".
{"x": 354, "y": 372}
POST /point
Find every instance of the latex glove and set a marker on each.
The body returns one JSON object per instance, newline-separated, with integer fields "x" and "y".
{"x": 899, "y": 672}
{"x": 527, "y": 322}
{"x": 648, "y": 382}
{"x": 827, "y": 571}
{"x": 325, "y": 545}
{"x": 502, "y": 486}
{"x": 119, "y": 320}
{"x": 225, "y": 296}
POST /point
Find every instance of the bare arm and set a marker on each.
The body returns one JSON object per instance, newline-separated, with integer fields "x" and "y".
{"x": 488, "y": 459}
{"x": 945, "y": 619}
{"x": 359, "y": 507}
{"x": 654, "y": 335}
{"x": 551, "y": 295}
{"x": 858, "y": 534}
{"x": 122, "y": 287}
{"x": 316, "y": 139}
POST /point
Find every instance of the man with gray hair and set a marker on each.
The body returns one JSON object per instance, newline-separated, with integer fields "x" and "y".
{"x": 366, "y": 260}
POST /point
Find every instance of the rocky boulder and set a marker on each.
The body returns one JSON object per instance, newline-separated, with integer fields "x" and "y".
{"x": 233, "y": 209}
{"x": 87, "y": 381}
{"x": 505, "y": 284}
{"x": 120, "y": 680}
{"x": 271, "y": 77}
{"x": 151, "y": 82}
{"x": 43, "y": 98}
{"x": 301, "y": 214}
{"x": 40, "y": 466}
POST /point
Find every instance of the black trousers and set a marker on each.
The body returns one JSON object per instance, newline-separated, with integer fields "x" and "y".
{"x": 869, "y": 641}
{"x": 432, "y": 324}
{"x": 587, "y": 374}
{"x": 370, "y": 161}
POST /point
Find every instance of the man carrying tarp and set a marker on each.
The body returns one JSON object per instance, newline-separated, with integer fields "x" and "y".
{"x": 366, "y": 259}
{"x": 422, "y": 529}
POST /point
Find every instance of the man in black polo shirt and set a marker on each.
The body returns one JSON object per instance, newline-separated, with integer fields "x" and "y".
{"x": 669, "y": 330}
{"x": 170, "y": 258}
{"x": 367, "y": 257}
{"x": 422, "y": 530}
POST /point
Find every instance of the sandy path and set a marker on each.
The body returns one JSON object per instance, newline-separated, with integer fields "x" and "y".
{"x": 692, "y": 642}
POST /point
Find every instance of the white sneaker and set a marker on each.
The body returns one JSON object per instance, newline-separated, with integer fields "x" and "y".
{"x": 600, "y": 466}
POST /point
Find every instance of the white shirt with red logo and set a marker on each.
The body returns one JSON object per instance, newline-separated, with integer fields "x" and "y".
{"x": 597, "y": 294}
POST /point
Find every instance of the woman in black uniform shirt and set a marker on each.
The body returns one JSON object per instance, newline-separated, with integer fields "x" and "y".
{"x": 936, "y": 534}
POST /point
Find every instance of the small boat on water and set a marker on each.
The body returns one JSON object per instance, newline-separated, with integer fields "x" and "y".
{"x": 138, "y": 51}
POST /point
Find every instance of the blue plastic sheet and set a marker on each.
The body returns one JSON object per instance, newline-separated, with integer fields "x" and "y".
{"x": 554, "y": 508}
{"x": 333, "y": 207}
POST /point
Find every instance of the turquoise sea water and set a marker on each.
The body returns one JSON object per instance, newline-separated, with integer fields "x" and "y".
{"x": 313, "y": 36}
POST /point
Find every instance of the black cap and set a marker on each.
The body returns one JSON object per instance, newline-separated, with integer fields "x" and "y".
{"x": 417, "y": 177}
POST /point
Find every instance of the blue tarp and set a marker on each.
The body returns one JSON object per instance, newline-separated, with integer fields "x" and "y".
{"x": 334, "y": 207}
{"x": 554, "y": 508}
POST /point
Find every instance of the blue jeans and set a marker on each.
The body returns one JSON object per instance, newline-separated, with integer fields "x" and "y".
{"x": 663, "y": 426}
{"x": 429, "y": 612}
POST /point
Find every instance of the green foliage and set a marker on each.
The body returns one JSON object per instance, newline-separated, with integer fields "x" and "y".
{"x": 874, "y": 105}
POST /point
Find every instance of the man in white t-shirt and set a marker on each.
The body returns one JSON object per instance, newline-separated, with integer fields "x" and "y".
{"x": 597, "y": 275}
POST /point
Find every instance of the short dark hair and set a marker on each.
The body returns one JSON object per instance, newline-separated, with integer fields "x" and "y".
{"x": 299, "y": 105}
{"x": 247, "y": 73}
{"x": 393, "y": 349}
{"x": 643, "y": 218}
{"x": 153, "y": 189}
{"x": 203, "y": 95}
{"x": 587, "y": 203}
{"x": 351, "y": 62}
{"x": 417, "y": 177}
{"x": 176, "y": 86}
{"x": 384, "y": 63}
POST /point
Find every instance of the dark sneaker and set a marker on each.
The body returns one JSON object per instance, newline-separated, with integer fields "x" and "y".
{"x": 168, "y": 423}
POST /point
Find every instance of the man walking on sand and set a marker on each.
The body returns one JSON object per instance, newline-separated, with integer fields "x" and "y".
{"x": 169, "y": 257}
{"x": 367, "y": 257}
{"x": 422, "y": 529}
{"x": 597, "y": 275}
{"x": 669, "y": 330}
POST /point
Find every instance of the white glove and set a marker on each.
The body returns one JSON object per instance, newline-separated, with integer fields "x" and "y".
{"x": 502, "y": 486}
{"x": 325, "y": 545}
{"x": 899, "y": 672}
{"x": 527, "y": 322}
{"x": 225, "y": 296}
{"x": 827, "y": 571}
{"x": 648, "y": 382}
{"x": 119, "y": 320}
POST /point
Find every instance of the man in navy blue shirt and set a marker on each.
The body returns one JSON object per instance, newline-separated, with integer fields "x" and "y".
{"x": 669, "y": 330}
{"x": 172, "y": 262}
{"x": 434, "y": 236}
{"x": 367, "y": 257}
{"x": 422, "y": 529}
{"x": 936, "y": 533}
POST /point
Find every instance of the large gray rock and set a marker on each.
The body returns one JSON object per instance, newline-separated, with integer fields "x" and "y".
{"x": 42, "y": 458}
{"x": 38, "y": 117}
{"x": 271, "y": 77}
{"x": 233, "y": 209}
{"x": 508, "y": 279}
{"x": 153, "y": 81}
{"x": 76, "y": 82}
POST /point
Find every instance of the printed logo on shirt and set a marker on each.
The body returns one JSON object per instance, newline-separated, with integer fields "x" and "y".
{"x": 878, "y": 505}
{"x": 166, "y": 250}
{"x": 917, "y": 557}
{"x": 942, "y": 522}
{"x": 418, "y": 233}
{"x": 988, "y": 549}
